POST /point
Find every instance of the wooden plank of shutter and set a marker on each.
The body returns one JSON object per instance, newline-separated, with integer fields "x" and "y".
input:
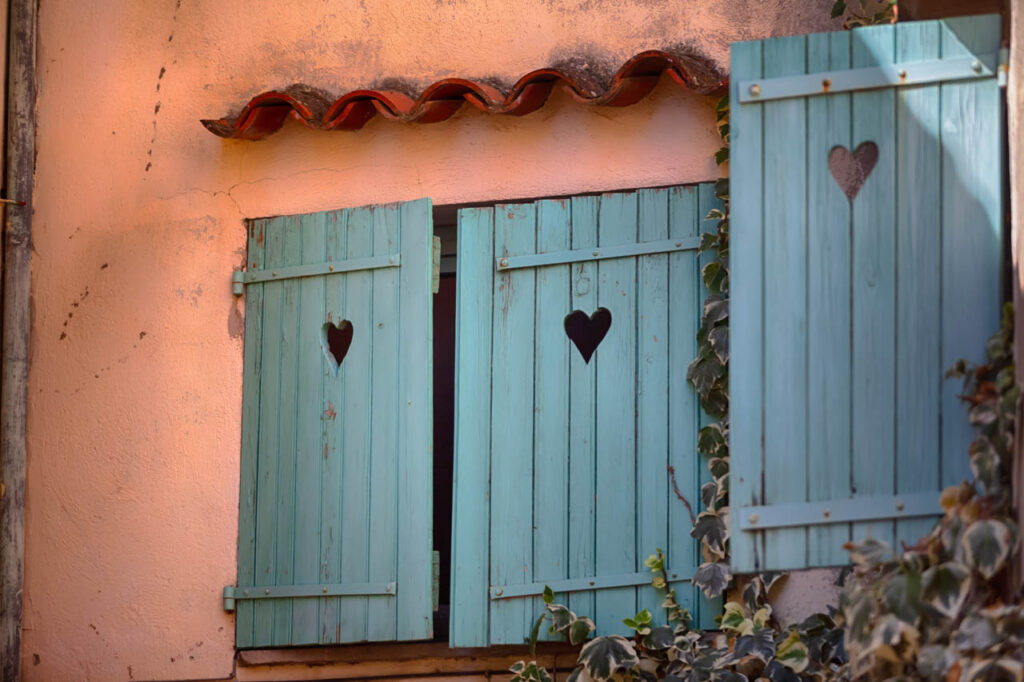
{"x": 838, "y": 377}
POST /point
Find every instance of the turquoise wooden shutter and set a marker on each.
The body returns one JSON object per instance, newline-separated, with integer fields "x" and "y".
{"x": 561, "y": 466}
{"x": 848, "y": 306}
{"x": 334, "y": 525}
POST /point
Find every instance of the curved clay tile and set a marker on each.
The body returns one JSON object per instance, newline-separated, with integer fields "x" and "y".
{"x": 265, "y": 113}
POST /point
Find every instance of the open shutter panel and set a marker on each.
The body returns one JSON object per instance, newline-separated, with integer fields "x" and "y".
{"x": 866, "y": 235}
{"x": 325, "y": 553}
{"x": 562, "y": 465}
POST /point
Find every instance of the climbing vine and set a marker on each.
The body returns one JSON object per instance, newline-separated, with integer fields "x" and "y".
{"x": 885, "y": 12}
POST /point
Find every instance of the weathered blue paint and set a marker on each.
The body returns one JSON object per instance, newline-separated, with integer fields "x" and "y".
{"x": 562, "y": 465}
{"x": 845, "y": 313}
{"x": 322, "y": 472}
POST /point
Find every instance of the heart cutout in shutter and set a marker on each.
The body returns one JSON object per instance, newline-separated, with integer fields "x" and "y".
{"x": 335, "y": 341}
{"x": 587, "y": 332}
{"x": 851, "y": 170}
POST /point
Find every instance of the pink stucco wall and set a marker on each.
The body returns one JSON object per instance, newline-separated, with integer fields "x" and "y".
{"x": 135, "y": 386}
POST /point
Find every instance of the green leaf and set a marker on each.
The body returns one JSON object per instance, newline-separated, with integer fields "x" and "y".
{"x": 580, "y": 630}
{"x": 713, "y": 578}
{"x": 603, "y": 657}
{"x": 945, "y": 588}
{"x": 718, "y": 466}
{"x": 975, "y": 634}
{"x": 549, "y": 595}
{"x": 660, "y": 638}
{"x": 902, "y": 594}
{"x": 838, "y": 9}
{"x": 868, "y": 553}
{"x": 722, "y": 155}
{"x": 733, "y": 616}
{"x": 761, "y": 645}
{"x": 710, "y": 528}
{"x": 535, "y": 633}
{"x": 719, "y": 340}
{"x": 561, "y": 617}
{"x": 934, "y": 661}
{"x": 710, "y": 439}
{"x": 987, "y": 545}
{"x": 792, "y": 653}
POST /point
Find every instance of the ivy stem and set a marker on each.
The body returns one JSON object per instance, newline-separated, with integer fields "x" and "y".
{"x": 675, "y": 486}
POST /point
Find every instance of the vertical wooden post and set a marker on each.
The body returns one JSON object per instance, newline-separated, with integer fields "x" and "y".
{"x": 1015, "y": 137}
{"x": 17, "y": 256}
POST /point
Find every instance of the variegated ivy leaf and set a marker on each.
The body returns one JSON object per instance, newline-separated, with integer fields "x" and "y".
{"x": 660, "y": 638}
{"x": 580, "y": 630}
{"x": 713, "y": 578}
{"x": 792, "y": 653}
{"x": 760, "y": 644}
{"x": 1009, "y": 621}
{"x": 710, "y": 528}
{"x": 986, "y": 546}
{"x": 945, "y": 587}
{"x": 603, "y": 657}
{"x": 986, "y": 465}
{"x": 858, "y": 610}
{"x": 719, "y": 466}
{"x": 528, "y": 672}
{"x": 975, "y": 634}
{"x": 710, "y": 439}
{"x": 934, "y": 661}
{"x": 902, "y": 595}
{"x": 1000, "y": 670}
{"x": 561, "y": 617}
{"x": 718, "y": 337}
{"x": 868, "y": 553}
{"x": 894, "y": 640}
{"x": 734, "y": 619}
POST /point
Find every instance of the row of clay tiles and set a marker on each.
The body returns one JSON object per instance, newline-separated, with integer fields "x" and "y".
{"x": 265, "y": 113}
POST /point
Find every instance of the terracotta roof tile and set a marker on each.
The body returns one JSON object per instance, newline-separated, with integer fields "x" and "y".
{"x": 265, "y": 113}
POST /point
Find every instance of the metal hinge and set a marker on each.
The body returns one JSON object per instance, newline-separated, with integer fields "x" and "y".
{"x": 435, "y": 265}
{"x": 240, "y": 278}
{"x": 435, "y": 579}
{"x": 232, "y": 593}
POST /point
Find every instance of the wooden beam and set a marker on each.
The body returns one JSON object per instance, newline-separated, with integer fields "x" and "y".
{"x": 14, "y": 347}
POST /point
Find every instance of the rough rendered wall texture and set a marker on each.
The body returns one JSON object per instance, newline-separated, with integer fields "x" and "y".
{"x": 135, "y": 387}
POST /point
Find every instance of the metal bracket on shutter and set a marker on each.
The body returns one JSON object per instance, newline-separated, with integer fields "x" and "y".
{"x": 596, "y": 253}
{"x": 604, "y": 582}
{"x": 791, "y": 515}
{"x": 240, "y": 278}
{"x": 232, "y": 593}
{"x": 870, "y": 78}
{"x": 435, "y": 266}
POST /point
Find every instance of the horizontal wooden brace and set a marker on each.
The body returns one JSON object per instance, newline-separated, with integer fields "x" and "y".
{"x": 603, "y": 582}
{"x": 596, "y": 253}
{"x": 240, "y": 278}
{"x": 232, "y": 593}
{"x": 868, "y": 78}
{"x": 789, "y": 515}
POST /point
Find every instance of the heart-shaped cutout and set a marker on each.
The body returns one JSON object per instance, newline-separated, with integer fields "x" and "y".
{"x": 587, "y": 332}
{"x": 335, "y": 340}
{"x": 851, "y": 170}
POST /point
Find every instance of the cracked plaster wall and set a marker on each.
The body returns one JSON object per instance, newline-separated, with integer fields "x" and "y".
{"x": 135, "y": 385}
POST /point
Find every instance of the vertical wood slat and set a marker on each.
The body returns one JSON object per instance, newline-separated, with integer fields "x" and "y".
{"x": 381, "y": 616}
{"x": 874, "y": 285}
{"x": 653, "y": 489}
{"x": 685, "y": 304}
{"x": 309, "y": 444}
{"x": 323, "y": 512}
{"x": 551, "y": 403}
{"x": 746, "y": 319}
{"x": 972, "y": 219}
{"x": 248, "y": 480}
{"x": 785, "y": 297}
{"x": 470, "y": 576}
{"x": 615, "y": 361}
{"x": 828, "y": 303}
{"x": 918, "y": 277}
{"x": 415, "y": 425}
{"x": 512, "y": 396}
{"x": 284, "y": 538}
{"x": 560, "y": 432}
{"x": 269, "y": 436}
{"x": 914, "y": 258}
{"x": 582, "y": 413}
{"x": 334, "y": 405}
